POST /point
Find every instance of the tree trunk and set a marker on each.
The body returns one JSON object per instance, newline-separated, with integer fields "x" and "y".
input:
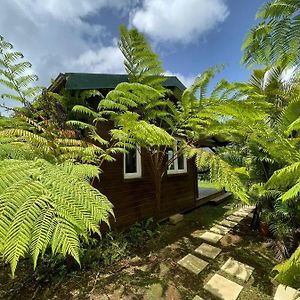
{"x": 157, "y": 185}
{"x": 157, "y": 181}
{"x": 256, "y": 217}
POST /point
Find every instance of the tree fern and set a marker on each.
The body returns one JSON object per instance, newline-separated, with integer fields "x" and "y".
{"x": 14, "y": 75}
{"x": 46, "y": 200}
{"x": 41, "y": 208}
{"x": 289, "y": 271}
{"x": 277, "y": 36}
{"x": 141, "y": 63}
{"x": 221, "y": 173}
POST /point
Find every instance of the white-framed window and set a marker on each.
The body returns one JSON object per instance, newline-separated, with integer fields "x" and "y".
{"x": 179, "y": 164}
{"x": 133, "y": 163}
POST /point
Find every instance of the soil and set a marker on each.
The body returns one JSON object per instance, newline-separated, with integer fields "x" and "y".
{"x": 151, "y": 271}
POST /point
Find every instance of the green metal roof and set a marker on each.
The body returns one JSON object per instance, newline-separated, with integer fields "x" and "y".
{"x": 85, "y": 81}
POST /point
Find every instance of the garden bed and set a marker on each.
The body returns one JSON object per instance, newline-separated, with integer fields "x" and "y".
{"x": 151, "y": 271}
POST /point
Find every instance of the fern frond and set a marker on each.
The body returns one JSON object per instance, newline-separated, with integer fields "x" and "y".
{"x": 84, "y": 110}
{"x": 289, "y": 271}
{"x": 285, "y": 177}
{"x": 222, "y": 173}
{"x": 46, "y": 205}
{"x": 277, "y": 36}
{"x": 14, "y": 75}
{"x": 141, "y": 63}
{"x": 27, "y": 136}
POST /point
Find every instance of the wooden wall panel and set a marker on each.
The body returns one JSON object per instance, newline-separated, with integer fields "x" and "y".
{"x": 134, "y": 199}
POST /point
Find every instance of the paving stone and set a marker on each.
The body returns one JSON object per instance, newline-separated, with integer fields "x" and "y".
{"x": 223, "y": 288}
{"x": 208, "y": 250}
{"x": 211, "y": 237}
{"x": 237, "y": 269}
{"x": 227, "y": 223}
{"x": 240, "y": 213}
{"x": 193, "y": 263}
{"x": 197, "y": 233}
{"x": 220, "y": 229}
{"x": 176, "y": 219}
{"x": 154, "y": 292}
{"x": 286, "y": 293}
{"x": 197, "y": 298}
{"x": 235, "y": 218}
{"x": 248, "y": 208}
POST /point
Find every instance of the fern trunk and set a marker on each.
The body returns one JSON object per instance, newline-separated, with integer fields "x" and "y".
{"x": 256, "y": 217}
{"x": 157, "y": 176}
{"x": 157, "y": 184}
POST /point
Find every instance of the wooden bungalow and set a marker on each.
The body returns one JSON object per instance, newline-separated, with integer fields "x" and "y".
{"x": 127, "y": 182}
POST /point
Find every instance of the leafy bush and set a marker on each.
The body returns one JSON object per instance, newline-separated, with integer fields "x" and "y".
{"x": 140, "y": 233}
{"x": 115, "y": 246}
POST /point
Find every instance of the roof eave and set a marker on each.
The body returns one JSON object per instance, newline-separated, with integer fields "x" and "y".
{"x": 57, "y": 83}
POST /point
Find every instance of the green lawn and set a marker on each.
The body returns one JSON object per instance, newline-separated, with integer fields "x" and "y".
{"x": 207, "y": 184}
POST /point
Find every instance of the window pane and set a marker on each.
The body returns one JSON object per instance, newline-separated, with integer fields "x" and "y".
{"x": 130, "y": 163}
{"x": 180, "y": 160}
{"x": 170, "y": 156}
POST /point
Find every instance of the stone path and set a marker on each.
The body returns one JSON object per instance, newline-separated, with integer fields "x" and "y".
{"x": 235, "y": 218}
{"x": 286, "y": 293}
{"x": 208, "y": 250}
{"x": 237, "y": 269}
{"x": 211, "y": 237}
{"x": 223, "y": 287}
{"x": 197, "y": 298}
{"x": 218, "y": 285}
{"x": 227, "y": 223}
{"x": 220, "y": 229}
{"x": 193, "y": 263}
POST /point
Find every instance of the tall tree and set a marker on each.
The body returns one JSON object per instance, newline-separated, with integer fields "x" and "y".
{"x": 15, "y": 75}
{"x": 261, "y": 122}
{"x": 277, "y": 36}
{"x": 46, "y": 200}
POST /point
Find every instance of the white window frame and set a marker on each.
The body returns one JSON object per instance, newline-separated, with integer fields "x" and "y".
{"x": 175, "y": 162}
{"x": 138, "y": 173}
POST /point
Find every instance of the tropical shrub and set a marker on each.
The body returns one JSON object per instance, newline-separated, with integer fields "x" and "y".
{"x": 276, "y": 41}
{"x": 46, "y": 200}
{"x": 277, "y": 36}
{"x": 40, "y": 208}
{"x": 140, "y": 110}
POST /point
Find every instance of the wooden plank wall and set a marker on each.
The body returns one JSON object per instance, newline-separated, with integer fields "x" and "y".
{"x": 134, "y": 199}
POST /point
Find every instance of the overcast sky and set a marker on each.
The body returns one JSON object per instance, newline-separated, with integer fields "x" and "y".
{"x": 81, "y": 35}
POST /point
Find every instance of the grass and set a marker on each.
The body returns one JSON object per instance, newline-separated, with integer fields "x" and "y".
{"x": 151, "y": 272}
{"x": 207, "y": 184}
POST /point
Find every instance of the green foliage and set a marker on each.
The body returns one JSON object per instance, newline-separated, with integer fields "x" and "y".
{"x": 222, "y": 173}
{"x": 139, "y": 233}
{"x": 46, "y": 199}
{"x": 277, "y": 36}
{"x": 115, "y": 246}
{"x": 14, "y": 75}
{"x": 141, "y": 63}
{"x": 289, "y": 271}
{"x": 40, "y": 208}
{"x": 286, "y": 179}
{"x": 258, "y": 120}
{"x": 46, "y": 145}
{"x": 144, "y": 128}
{"x": 282, "y": 219}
